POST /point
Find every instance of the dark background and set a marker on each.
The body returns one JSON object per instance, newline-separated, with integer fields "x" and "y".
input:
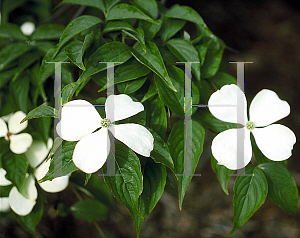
{"x": 266, "y": 33}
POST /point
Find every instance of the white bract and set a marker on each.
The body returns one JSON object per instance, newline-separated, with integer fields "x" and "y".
{"x": 274, "y": 140}
{"x": 35, "y": 155}
{"x": 81, "y": 121}
{"x": 27, "y": 28}
{"x": 19, "y": 143}
{"x": 20, "y": 204}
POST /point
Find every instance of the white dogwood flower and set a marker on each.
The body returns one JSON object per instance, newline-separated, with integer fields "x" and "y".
{"x": 20, "y": 204}
{"x": 81, "y": 121}
{"x": 19, "y": 143}
{"x": 16, "y": 201}
{"x": 274, "y": 140}
{"x": 27, "y": 28}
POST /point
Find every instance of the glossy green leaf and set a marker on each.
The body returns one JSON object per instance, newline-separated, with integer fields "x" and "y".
{"x": 95, "y": 187}
{"x": 150, "y": 28}
{"x": 175, "y": 100}
{"x": 89, "y": 210}
{"x": 138, "y": 35}
{"x": 30, "y": 221}
{"x": 156, "y": 116}
{"x": 11, "y": 31}
{"x": 117, "y": 26}
{"x": 47, "y": 68}
{"x": 20, "y": 89}
{"x": 111, "y": 52}
{"x": 149, "y": 7}
{"x": 11, "y": 52}
{"x": 222, "y": 173}
{"x": 184, "y": 168}
{"x": 282, "y": 187}
{"x": 185, "y": 51}
{"x": 125, "y": 11}
{"x": 160, "y": 152}
{"x": 91, "y": 3}
{"x": 153, "y": 60}
{"x": 220, "y": 79}
{"x": 212, "y": 61}
{"x": 68, "y": 92}
{"x": 41, "y": 111}
{"x": 56, "y": 144}
{"x": 131, "y": 86}
{"x": 154, "y": 181}
{"x": 47, "y": 32}
{"x": 16, "y": 167}
{"x": 61, "y": 163}
{"x": 204, "y": 116}
{"x": 152, "y": 91}
{"x": 75, "y": 27}
{"x": 250, "y": 192}
{"x": 170, "y": 27}
{"x": 127, "y": 184}
{"x": 202, "y": 49}
{"x": 74, "y": 53}
{"x": 189, "y": 14}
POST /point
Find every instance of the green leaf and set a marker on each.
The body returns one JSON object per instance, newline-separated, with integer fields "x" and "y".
{"x": 56, "y": 144}
{"x": 185, "y": 51}
{"x": 202, "y": 49}
{"x": 204, "y": 116}
{"x": 138, "y": 36}
{"x": 222, "y": 173}
{"x": 6, "y": 76}
{"x": 153, "y": 60}
{"x": 11, "y": 52}
{"x": 127, "y": 186}
{"x": 125, "y": 11}
{"x": 170, "y": 27}
{"x": 30, "y": 221}
{"x": 149, "y": 7}
{"x": 282, "y": 187}
{"x": 175, "y": 100}
{"x": 47, "y": 68}
{"x": 5, "y": 190}
{"x": 20, "y": 89}
{"x": 160, "y": 152}
{"x": 68, "y": 92}
{"x": 41, "y": 111}
{"x": 95, "y": 187}
{"x": 117, "y": 26}
{"x": 150, "y": 93}
{"x": 111, "y": 52}
{"x": 131, "y": 86}
{"x": 212, "y": 61}
{"x": 89, "y": 210}
{"x": 16, "y": 167}
{"x": 75, "y": 27}
{"x": 74, "y": 53}
{"x": 47, "y": 32}
{"x": 61, "y": 163}
{"x": 157, "y": 116}
{"x": 189, "y": 14}
{"x": 250, "y": 193}
{"x": 12, "y": 31}
{"x": 150, "y": 29}
{"x": 184, "y": 168}
{"x": 154, "y": 183}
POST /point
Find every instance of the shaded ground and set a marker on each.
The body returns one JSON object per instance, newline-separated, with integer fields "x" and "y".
{"x": 267, "y": 33}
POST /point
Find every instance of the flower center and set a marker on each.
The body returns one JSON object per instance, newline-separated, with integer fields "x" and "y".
{"x": 105, "y": 123}
{"x": 7, "y": 136}
{"x": 250, "y": 125}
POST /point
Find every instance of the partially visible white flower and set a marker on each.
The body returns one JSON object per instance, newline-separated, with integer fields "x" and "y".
{"x": 275, "y": 141}
{"x": 19, "y": 143}
{"x": 16, "y": 201}
{"x": 35, "y": 155}
{"x": 27, "y": 28}
{"x": 80, "y": 121}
